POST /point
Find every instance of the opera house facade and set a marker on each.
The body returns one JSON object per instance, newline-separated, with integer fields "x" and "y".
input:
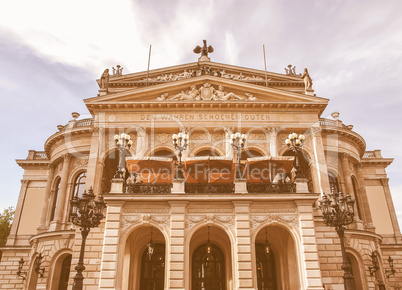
{"x": 204, "y": 176}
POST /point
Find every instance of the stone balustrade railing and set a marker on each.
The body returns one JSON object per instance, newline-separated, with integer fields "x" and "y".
{"x": 40, "y": 155}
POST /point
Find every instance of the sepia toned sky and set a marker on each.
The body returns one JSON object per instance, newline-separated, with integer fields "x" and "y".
{"x": 51, "y": 52}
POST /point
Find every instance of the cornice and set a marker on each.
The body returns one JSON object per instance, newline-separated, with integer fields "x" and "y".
{"x": 26, "y": 164}
{"x": 355, "y": 137}
{"x": 61, "y": 134}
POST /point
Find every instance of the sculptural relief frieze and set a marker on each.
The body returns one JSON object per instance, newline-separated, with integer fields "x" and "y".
{"x": 210, "y": 218}
{"x": 255, "y": 221}
{"x": 206, "y": 92}
{"x": 144, "y": 218}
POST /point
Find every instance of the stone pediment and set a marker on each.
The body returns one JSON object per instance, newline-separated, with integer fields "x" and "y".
{"x": 118, "y": 82}
{"x": 205, "y": 89}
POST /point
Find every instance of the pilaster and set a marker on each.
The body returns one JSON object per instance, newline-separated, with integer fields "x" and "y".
{"x": 273, "y": 141}
{"x": 110, "y": 245}
{"x": 177, "y": 270}
{"x": 243, "y": 260}
{"x": 18, "y": 211}
{"x": 391, "y": 207}
{"x": 319, "y": 168}
{"x": 309, "y": 247}
{"x": 142, "y": 142}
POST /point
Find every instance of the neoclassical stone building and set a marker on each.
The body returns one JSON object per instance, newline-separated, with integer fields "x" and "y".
{"x": 209, "y": 230}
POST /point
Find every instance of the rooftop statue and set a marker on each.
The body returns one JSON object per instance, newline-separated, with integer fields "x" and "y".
{"x": 204, "y": 51}
{"x": 104, "y": 81}
{"x": 308, "y": 83}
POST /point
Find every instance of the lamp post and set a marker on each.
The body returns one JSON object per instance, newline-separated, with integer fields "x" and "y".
{"x": 85, "y": 213}
{"x": 338, "y": 211}
{"x": 296, "y": 144}
{"x": 123, "y": 143}
{"x": 180, "y": 142}
{"x": 237, "y": 141}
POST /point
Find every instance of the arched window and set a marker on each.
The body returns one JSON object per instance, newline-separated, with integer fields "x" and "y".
{"x": 164, "y": 153}
{"x": 208, "y": 152}
{"x": 208, "y": 269}
{"x": 333, "y": 181}
{"x": 153, "y": 269}
{"x": 56, "y": 190}
{"x": 65, "y": 273}
{"x": 79, "y": 184}
{"x": 266, "y": 273}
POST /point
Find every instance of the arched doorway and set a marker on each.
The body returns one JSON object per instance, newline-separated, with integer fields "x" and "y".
{"x": 276, "y": 268}
{"x": 266, "y": 271}
{"x": 153, "y": 268}
{"x": 210, "y": 259}
{"x": 141, "y": 270}
{"x": 61, "y": 272}
{"x": 208, "y": 268}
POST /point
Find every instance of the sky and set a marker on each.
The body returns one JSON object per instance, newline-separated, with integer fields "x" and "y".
{"x": 51, "y": 53}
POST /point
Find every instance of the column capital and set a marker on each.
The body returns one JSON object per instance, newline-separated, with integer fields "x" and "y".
{"x": 228, "y": 130}
{"x": 384, "y": 181}
{"x": 67, "y": 157}
{"x": 344, "y": 156}
{"x": 273, "y": 131}
{"x": 141, "y": 131}
{"x": 315, "y": 131}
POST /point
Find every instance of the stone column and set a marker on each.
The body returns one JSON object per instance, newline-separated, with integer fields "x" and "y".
{"x": 364, "y": 199}
{"x": 347, "y": 173}
{"x": 273, "y": 141}
{"x": 95, "y": 165}
{"x": 177, "y": 270}
{"x": 108, "y": 268}
{"x": 228, "y": 146}
{"x": 18, "y": 212}
{"x": 391, "y": 207}
{"x": 142, "y": 142}
{"x": 319, "y": 169}
{"x": 309, "y": 248}
{"x": 47, "y": 198}
{"x": 243, "y": 262}
{"x": 61, "y": 199}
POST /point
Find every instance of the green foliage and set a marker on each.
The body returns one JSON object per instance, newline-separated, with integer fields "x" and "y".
{"x": 6, "y": 219}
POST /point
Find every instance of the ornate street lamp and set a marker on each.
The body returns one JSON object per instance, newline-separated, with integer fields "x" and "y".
{"x": 86, "y": 213}
{"x": 391, "y": 272}
{"x": 338, "y": 211}
{"x": 296, "y": 144}
{"x": 180, "y": 142}
{"x": 123, "y": 143}
{"x": 150, "y": 247}
{"x": 267, "y": 248}
{"x": 21, "y": 274}
{"x": 238, "y": 141}
{"x": 38, "y": 263}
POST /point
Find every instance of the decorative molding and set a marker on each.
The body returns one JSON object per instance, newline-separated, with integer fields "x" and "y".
{"x": 272, "y": 210}
{"x": 153, "y": 210}
{"x": 289, "y": 219}
{"x": 145, "y": 219}
{"x": 80, "y": 161}
{"x": 210, "y": 218}
{"x": 209, "y": 210}
{"x": 206, "y": 93}
{"x": 163, "y": 138}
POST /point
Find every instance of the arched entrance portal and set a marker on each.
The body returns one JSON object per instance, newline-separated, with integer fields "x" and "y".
{"x": 208, "y": 268}
{"x": 210, "y": 262}
{"x": 144, "y": 269}
{"x": 266, "y": 271}
{"x": 153, "y": 268}
{"x": 276, "y": 259}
